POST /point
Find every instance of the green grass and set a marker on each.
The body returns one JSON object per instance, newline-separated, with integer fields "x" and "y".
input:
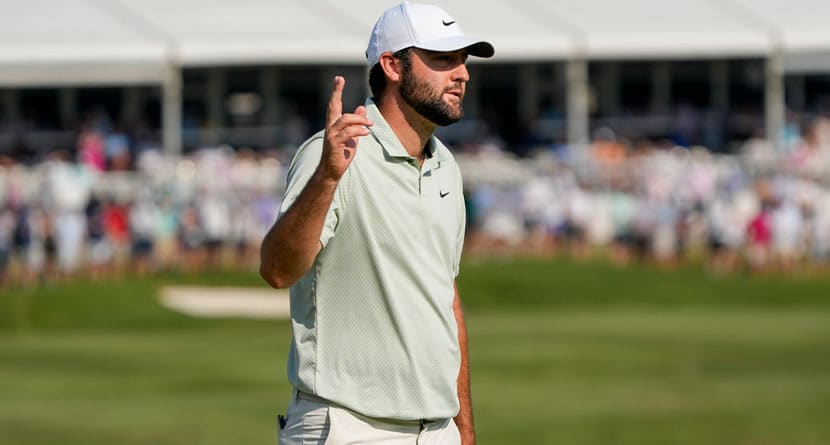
{"x": 562, "y": 353}
{"x": 560, "y": 282}
{"x": 645, "y": 376}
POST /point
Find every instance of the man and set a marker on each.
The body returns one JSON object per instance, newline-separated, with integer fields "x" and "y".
{"x": 369, "y": 238}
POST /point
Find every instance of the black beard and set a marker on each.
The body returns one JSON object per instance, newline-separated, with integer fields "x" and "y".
{"x": 433, "y": 109}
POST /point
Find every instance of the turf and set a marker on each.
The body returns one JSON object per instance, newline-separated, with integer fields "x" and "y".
{"x": 562, "y": 353}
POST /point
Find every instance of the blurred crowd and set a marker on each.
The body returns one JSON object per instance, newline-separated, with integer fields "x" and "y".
{"x": 108, "y": 209}
{"x": 765, "y": 208}
{"x": 66, "y": 217}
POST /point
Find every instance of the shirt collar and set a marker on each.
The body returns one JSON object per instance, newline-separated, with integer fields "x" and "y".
{"x": 389, "y": 140}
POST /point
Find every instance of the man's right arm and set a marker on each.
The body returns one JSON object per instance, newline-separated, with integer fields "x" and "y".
{"x": 292, "y": 244}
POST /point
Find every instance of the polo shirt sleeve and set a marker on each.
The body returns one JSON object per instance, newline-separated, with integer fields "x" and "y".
{"x": 302, "y": 167}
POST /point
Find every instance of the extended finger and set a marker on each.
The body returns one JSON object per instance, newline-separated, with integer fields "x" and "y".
{"x": 349, "y": 119}
{"x": 350, "y": 132}
{"x": 336, "y": 101}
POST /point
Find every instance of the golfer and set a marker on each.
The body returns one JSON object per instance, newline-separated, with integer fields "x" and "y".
{"x": 369, "y": 239}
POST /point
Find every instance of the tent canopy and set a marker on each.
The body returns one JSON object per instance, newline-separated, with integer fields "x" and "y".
{"x": 121, "y": 41}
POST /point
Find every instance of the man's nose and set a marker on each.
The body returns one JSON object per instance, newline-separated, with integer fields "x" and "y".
{"x": 460, "y": 73}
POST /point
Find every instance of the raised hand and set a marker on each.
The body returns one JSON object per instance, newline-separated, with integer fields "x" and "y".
{"x": 341, "y": 135}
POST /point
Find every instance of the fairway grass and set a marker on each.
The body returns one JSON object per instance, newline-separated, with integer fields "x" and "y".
{"x": 104, "y": 363}
{"x": 652, "y": 376}
{"x": 202, "y": 386}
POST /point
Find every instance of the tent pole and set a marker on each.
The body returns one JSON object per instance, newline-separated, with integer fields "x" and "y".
{"x": 577, "y": 102}
{"x": 172, "y": 111}
{"x": 775, "y": 97}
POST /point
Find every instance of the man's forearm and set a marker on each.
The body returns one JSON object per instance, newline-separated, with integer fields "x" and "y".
{"x": 289, "y": 248}
{"x": 464, "y": 419}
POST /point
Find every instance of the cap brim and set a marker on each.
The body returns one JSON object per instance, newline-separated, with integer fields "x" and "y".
{"x": 474, "y": 47}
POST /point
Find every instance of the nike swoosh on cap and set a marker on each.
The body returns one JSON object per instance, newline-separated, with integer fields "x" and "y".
{"x": 446, "y": 23}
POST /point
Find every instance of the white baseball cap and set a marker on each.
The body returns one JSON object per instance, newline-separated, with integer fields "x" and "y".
{"x": 422, "y": 26}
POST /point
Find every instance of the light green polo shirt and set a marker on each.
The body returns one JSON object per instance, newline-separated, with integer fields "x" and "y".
{"x": 373, "y": 325}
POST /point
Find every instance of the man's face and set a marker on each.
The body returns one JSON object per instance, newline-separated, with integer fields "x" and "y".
{"x": 433, "y": 84}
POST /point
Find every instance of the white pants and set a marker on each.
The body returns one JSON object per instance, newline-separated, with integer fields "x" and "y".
{"x": 310, "y": 420}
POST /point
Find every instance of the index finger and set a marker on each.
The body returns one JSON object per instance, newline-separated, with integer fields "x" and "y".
{"x": 336, "y": 102}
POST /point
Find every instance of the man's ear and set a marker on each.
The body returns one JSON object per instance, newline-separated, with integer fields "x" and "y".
{"x": 391, "y": 67}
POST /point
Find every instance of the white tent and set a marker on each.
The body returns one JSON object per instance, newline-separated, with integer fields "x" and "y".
{"x": 82, "y": 42}
{"x": 56, "y": 39}
{"x": 45, "y": 42}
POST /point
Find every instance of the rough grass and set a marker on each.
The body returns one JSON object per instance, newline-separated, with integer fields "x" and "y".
{"x": 562, "y": 353}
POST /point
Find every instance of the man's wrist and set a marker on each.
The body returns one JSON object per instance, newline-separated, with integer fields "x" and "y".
{"x": 324, "y": 180}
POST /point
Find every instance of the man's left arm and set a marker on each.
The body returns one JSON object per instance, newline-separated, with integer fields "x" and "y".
{"x": 464, "y": 419}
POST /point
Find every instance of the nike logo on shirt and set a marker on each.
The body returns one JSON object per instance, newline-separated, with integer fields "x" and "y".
{"x": 443, "y": 194}
{"x": 446, "y": 23}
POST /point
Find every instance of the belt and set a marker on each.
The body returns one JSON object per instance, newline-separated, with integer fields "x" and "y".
{"x": 301, "y": 395}
{"x": 312, "y": 398}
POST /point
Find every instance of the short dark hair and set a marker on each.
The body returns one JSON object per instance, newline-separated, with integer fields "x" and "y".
{"x": 377, "y": 78}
